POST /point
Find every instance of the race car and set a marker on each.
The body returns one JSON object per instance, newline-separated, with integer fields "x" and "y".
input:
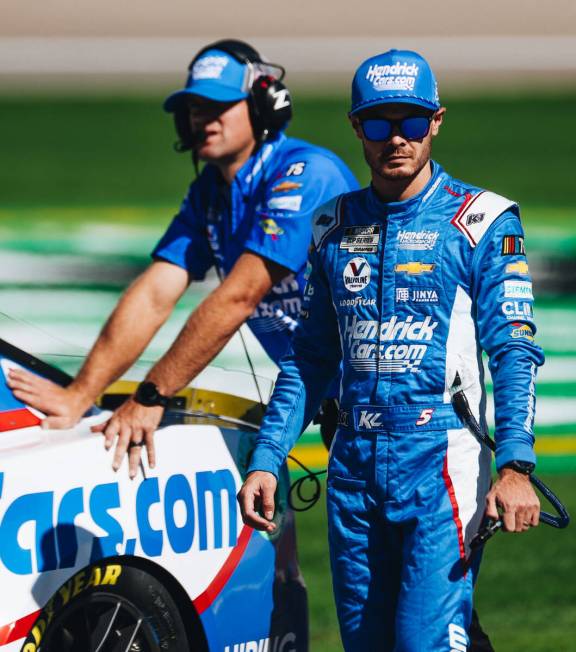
{"x": 91, "y": 561}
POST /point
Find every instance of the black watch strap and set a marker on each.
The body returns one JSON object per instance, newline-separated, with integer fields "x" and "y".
{"x": 148, "y": 394}
{"x": 525, "y": 468}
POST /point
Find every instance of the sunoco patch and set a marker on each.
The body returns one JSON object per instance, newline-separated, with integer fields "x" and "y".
{"x": 361, "y": 239}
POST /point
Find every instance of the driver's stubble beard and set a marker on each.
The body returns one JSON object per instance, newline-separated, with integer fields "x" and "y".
{"x": 376, "y": 161}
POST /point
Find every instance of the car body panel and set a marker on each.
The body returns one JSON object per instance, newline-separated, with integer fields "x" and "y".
{"x": 62, "y": 507}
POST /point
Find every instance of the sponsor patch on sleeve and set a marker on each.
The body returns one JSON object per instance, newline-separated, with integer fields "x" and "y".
{"x": 521, "y": 267}
{"x": 517, "y": 310}
{"x": 296, "y": 169}
{"x": 513, "y": 245}
{"x": 518, "y": 290}
{"x": 286, "y": 186}
{"x": 270, "y": 228}
{"x": 521, "y": 331}
{"x": 285, "y": 203}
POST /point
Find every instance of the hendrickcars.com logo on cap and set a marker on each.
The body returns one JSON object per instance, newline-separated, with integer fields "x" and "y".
{"x": 216, "y": 76}
{"x": 209, "y": 67}
{"x": 399, "y": 76}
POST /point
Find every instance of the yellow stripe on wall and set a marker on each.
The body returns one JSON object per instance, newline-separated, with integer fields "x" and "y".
{"x": 552, "y": 445}
{"x": 315, "y": 456}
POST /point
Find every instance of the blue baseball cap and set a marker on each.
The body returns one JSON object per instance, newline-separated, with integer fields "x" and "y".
{"x": 396, "y": 76}
{"x": 215, "y": 75}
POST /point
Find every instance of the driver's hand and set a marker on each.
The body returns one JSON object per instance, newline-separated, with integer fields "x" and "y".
{"x": 134, "y": 425}
{"x": 64, "y": 406}
{"x": 257, "y": 497}
{"x": 514, "y": 495}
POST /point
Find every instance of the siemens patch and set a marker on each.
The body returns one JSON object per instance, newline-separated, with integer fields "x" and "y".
{"x": 518, "y": 290}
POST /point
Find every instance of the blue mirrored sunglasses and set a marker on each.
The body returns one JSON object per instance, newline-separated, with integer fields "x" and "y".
{"x": 411, "y": 128}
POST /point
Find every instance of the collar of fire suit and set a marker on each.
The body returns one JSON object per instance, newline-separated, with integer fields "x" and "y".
{"x": 258, "y": 164}
{"x": 406, "y": 208}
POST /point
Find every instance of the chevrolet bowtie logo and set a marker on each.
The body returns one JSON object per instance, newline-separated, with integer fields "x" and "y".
{"x": 519, "y": 268}
{"x": 415, "y": 268}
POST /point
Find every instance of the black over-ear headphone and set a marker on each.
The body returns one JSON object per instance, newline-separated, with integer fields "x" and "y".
{"x": 269, "y": 100}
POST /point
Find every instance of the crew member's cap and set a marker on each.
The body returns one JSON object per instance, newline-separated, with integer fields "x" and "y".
{"x": 215, "y": 75}
{"x": 395, "y": 76}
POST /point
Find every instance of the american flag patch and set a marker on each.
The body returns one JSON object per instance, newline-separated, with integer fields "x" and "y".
{"x": 513, "y": 245}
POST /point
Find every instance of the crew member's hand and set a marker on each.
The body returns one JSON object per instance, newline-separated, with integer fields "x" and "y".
{"x": 514, "y": 495}
{"x": 64, "y": 407}
{"x": 257, "y": 497}
{"x": 135, "y": 425}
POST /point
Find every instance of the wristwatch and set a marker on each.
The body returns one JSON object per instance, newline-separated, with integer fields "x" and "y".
{"x": 147, "y": 394}
{"x": 525, "y": 468}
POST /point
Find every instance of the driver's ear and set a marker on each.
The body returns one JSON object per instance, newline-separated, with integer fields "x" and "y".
{"x": 355, "y": 122}
{"x": 437, "y": 121}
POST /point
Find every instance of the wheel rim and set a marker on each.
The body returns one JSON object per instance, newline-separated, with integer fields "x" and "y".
{"x": 103, "y": 623}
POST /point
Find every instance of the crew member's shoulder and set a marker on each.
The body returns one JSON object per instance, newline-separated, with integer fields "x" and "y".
{"x": 329, "y": 217}
{"x": 299, "y": 156}
{"x": 478, "y": 209}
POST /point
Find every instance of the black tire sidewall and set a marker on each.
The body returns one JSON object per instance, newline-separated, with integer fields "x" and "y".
{"x": 114, "y": 578}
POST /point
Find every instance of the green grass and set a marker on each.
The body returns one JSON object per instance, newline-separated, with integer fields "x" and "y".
{"x": 101, "y": 152}
{"x": 526, "y": 594}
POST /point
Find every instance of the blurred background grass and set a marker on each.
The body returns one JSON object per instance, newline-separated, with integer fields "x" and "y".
{"x": 116, "y": 151}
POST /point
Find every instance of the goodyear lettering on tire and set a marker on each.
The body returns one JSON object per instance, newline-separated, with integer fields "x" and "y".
{"x": 92, "y": 577}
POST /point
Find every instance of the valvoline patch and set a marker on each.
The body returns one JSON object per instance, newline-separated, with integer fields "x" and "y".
{"x": 13, "y": 413}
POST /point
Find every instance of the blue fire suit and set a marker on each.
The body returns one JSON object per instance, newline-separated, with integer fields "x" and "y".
{"x": 404, "y": 295}
{"x": 267, "y": 210}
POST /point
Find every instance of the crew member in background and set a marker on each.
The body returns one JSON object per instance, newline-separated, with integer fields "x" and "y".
{"x": 248, "y": 214}
{"x": 411, "y": 279}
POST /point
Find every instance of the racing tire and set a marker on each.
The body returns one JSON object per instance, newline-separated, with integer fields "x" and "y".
{"x": 110, "y": 606}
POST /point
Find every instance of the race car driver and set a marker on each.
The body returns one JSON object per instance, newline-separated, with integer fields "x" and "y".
{"x": 248, "y": 214}
{"x": 411, "y": 279}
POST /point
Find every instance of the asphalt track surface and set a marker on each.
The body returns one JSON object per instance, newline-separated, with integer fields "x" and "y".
{"x": 277, "y": 18}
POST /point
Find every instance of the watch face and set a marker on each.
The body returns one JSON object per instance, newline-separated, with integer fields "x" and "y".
{"x": 147, "y": 394}
{"x": 149, "y": 391}
{"x": 521, "y": 467}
